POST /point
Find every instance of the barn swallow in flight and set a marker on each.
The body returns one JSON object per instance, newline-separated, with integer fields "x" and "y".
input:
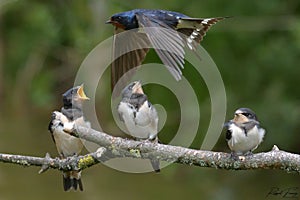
{"x": 68, "y": 145}
{"x": 139, "y": 115}
{"x": 162, "y": 36}
{"x": 244, "y": 133}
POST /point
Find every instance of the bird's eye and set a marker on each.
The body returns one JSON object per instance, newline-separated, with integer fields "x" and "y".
{"x": 117, "y": 18}
{"x": 248, "y": 115}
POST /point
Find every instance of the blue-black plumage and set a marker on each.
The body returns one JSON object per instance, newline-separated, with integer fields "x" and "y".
{"x": 167, "y": 32}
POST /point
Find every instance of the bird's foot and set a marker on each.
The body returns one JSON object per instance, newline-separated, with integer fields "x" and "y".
{"x": 234, "y": 156}
{"x": 238, "y": 157}
{"x": 249, "y": 154}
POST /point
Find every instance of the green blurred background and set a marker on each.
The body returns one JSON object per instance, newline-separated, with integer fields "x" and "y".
{"x": 43, "y": 43}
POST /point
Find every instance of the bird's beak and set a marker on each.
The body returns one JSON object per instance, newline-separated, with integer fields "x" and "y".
{"x": 81, "y": 93}
{"x": 137, "y": 88}
{"x": 239, "y": 118}
{"x": 236, "y": 117}
{"x": 115, "y": 23}
{"x": 108, "y": 22}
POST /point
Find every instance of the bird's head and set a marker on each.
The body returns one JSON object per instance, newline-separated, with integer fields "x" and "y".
{"x": 133, "y": 88}
{"x": 124, "y": 20}
{"x": 243, "y": 115}
{"x": 74, "y": 96}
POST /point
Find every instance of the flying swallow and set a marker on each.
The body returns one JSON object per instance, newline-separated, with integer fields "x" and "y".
{"x": 66, "y": 144}
{"x": 139, "y": 115}
{"x": 244, "y": 133}
{"x": 163, "y": 35}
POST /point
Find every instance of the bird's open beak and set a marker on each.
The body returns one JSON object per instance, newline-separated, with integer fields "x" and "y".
{"x": 109, "y": 21}
{"x": 236, "y": 117}
{"x": 81, "y": 93}
{"x": 137, "y": 88}
{"x": 115, "y": 23}
{"x": 239, "y": 118}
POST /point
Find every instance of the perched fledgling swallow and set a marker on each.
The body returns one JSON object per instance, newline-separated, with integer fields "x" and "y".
{"x": 66, "y": 144}
{"x": 244, "y": 133}
{"x": 169, "y": 45}
{"x": 139, "y": 115}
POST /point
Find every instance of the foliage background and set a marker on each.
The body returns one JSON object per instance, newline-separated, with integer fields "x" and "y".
{"x": 43, "y": 43}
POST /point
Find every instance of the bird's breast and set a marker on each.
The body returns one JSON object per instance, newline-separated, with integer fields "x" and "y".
{"x": 138, "y": 122}
{"x": 66, "y": 144}
{"x": 242, "y": 142}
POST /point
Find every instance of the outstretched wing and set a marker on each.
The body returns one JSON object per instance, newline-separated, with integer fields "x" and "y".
{"x": 128, "y": 53}
{"x": 166, "y": 42}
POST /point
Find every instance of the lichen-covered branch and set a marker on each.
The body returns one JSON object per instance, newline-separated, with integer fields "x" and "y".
{"x": 74, "y": 163}
{"x": 119, "y": 147}
{"x": 114, "y": 147}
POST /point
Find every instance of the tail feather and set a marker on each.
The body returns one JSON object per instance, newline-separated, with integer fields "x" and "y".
{"x": 155, "y": 162}
{"x": 196, "y": 28}
{"x": 155, "y": 165}
{"x": 67, "y": 182}
{"x": 72, "y": 180}
{"x": 77, "y": 184}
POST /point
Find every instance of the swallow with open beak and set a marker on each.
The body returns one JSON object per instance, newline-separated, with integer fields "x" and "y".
{"x": 66, "y": 144}
{"x": 244, "y": 133}
{"x": 139, "y": 115}
{"x": 159, "y": 29}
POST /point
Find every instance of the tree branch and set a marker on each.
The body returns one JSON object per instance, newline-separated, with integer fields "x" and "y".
{"x": 70, "y": 163}
{"x": 274, "y": 159}
{"x": 115, "y": 147}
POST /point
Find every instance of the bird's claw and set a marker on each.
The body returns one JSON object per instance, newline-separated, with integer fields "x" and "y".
{"x": 249, "y": 154}
{"x": 234, "y": 156}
